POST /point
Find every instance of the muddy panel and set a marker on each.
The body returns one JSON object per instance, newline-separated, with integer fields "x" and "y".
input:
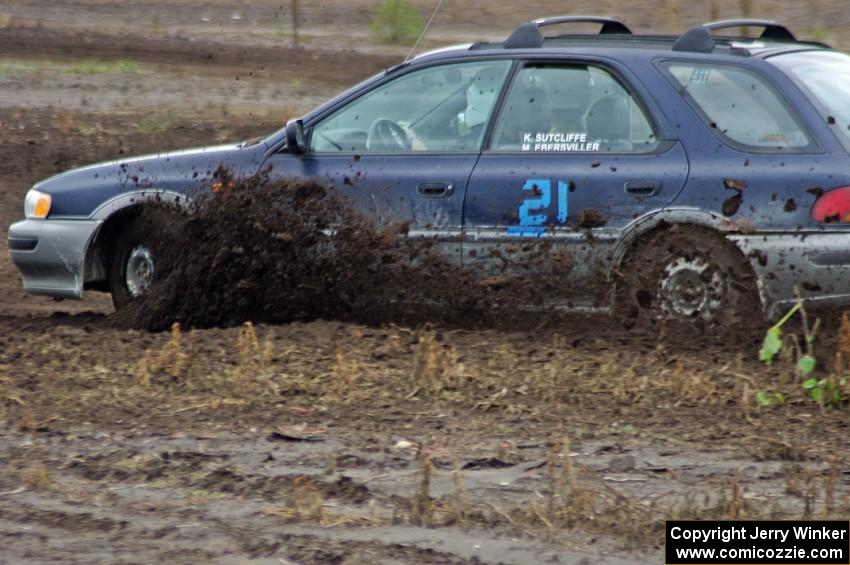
{"x": 572, "y": 205}
{"x": 558, "y": 269}
{"x": 763, "y": 192}
{"x": 817, "y": 265}
{"x": 423, "y": 191}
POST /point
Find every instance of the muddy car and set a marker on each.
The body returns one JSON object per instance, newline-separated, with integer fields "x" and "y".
{"x": 694, "y": 174}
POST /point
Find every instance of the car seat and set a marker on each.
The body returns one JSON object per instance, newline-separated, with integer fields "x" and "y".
{"x": 608, "y": 122}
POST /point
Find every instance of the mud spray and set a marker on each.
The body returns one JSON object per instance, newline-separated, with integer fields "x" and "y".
{"x": 281, "y": 251}
{"x": 297, "y": 250}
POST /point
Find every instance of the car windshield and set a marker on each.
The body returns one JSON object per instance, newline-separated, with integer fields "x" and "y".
{"x": 826, "y": 75}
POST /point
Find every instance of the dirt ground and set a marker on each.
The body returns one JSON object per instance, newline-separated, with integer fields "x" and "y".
{"x": 341, "y": 442}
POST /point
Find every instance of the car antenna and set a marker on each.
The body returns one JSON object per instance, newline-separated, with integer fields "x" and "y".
{"x": 424, "y": 30}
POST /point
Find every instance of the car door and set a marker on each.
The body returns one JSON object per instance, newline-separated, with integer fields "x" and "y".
{"x": 573, "y": 158}
{"x": 403, "y": 151}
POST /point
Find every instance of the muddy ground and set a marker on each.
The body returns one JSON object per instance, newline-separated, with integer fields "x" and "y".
{"x": 344, "y": 442}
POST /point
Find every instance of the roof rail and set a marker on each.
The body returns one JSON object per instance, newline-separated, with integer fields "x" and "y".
{"x": 699, "y": 40}
{"x": 528, "y": 35}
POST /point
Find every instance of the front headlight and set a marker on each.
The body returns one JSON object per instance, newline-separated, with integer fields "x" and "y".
{"x": 36, "y": 205}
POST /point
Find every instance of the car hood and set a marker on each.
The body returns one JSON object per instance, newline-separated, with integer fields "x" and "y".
{"x": 78, "y": 192}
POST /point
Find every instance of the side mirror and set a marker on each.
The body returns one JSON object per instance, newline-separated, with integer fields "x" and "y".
{"x": 295, "y": 137}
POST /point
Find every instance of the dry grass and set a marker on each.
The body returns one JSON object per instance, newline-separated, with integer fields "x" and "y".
{"x": 569, "y": 503}
{"x": 166, "y": 365}
{"x": 422, "y": 511}
{"x": 36, "y": 477}
{"x": 10, "y": 395}
{"x": 344, "y": 375}
{"x": 435, "y": 367}
{"x": 178, "y": 364}
{"x": 491, "y": 382}
{"x": 493, "y": 376}
{"x": 577, "y": 498}
{"x": 305, "y": 504}
{"x": 842, "y": 349}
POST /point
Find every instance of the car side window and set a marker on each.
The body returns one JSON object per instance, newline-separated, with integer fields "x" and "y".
{"x": 576, "y": 108}
{"x": 441, "y": 108}
{"x": 740, "y": 105}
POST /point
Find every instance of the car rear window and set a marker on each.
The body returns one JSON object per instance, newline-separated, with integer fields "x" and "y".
{"x": 826, "y": 76}
{"x": 740, "y": 106}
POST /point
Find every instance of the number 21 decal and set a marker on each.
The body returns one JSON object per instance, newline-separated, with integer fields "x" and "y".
{"x": 532, "y": 212}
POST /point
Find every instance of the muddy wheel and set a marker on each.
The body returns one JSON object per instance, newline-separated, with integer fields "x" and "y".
{"x": 132, "y": 264}
{"x": 687, "y": 274}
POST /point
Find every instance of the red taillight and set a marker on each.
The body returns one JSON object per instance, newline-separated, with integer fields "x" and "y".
{"x": 833, "y": 206}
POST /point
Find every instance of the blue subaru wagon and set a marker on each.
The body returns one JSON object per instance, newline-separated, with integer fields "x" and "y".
{"x": 692, "y": 171}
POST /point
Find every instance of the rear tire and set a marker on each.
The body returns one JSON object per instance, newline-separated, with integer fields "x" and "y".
{"x": 687, "y": 274}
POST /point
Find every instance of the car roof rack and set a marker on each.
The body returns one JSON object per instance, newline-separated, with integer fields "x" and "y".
{"x": 698, "y": 39}
{"x": 528, "y": 34}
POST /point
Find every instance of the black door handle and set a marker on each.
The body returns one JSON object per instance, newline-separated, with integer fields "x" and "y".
{"x": 435, "y": 189}
{"x": 642, "y": 188}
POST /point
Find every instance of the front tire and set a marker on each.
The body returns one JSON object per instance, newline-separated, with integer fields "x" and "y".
{"x": 132, "y": 264}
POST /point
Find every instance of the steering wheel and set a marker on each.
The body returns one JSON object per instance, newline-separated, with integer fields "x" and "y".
{"x": 386, "y": 135}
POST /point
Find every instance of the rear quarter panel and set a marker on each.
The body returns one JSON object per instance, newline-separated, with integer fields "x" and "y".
{"x": 763, "y": 198}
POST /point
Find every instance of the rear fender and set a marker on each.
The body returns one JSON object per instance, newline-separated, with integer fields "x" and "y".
{"x": 693, "y": 217}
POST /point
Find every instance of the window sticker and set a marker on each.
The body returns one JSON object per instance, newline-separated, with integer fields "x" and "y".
{"x": 547, "y": 142}
{"x": 700, "y": 75}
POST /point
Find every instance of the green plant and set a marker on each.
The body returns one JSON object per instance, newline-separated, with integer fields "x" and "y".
{"x": 769, "y": 398}
{"x": 396, "y": 21}
{"x": 818, "y": 34}
{"x": 773, "y": 343}
{"x": 159, "y": 121}
{"x": 76, "y": 67}
{"x": 828, "y": 392}
{"x": 831, "y": 391}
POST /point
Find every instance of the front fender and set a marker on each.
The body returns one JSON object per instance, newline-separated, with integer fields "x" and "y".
{"x": 137, "y": 197}
{"x": 108, "y": 214}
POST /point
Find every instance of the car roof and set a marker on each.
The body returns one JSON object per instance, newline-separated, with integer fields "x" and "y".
{"x": 615, "y": 36}
{"x": 615, "y": 39}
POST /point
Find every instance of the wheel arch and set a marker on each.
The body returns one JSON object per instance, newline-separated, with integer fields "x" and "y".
{"x": 694, "y": 217}
{"x": 113, "y": 215}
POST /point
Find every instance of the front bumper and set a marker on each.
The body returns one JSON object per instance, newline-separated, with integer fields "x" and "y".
{"x": 51, "y": 254}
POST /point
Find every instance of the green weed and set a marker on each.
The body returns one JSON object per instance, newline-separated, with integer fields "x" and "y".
{"x": 79, "y": 67}
{"x": 766, "y": 398}
{"x": 820, "y": 34}
{"x": 157, "y": 122}
{"x": 396, "y": 21}
{"x": 774, "y": 344}
{"x": 828, "y": 392}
